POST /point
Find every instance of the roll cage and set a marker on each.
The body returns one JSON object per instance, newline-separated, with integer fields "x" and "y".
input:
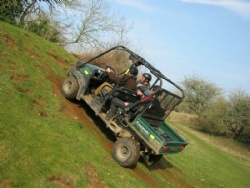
{"x": 166, "y": 99}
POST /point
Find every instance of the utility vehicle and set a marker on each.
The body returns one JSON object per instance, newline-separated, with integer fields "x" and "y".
{"x": 141, "y": 130}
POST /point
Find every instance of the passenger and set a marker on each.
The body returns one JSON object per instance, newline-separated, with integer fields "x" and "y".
{"x": 145, "y": 79}
{"x": 143, "y": 85}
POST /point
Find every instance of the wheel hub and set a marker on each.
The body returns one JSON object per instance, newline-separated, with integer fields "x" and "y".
{"x": 125, "y": 151}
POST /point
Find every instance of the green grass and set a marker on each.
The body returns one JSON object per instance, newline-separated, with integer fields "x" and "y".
{"x": 38, "y": 142}
{"x": 207, "y": 164}
{"x": 42, "y": 147}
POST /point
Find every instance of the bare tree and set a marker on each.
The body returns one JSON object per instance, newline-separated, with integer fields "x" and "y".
{"x": 35, "y": 7}
{"x": 85, "y": 23}
{"x": 95, "y": 24}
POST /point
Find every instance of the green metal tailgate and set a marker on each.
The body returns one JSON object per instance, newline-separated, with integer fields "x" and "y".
{"x": 161, "y": 140}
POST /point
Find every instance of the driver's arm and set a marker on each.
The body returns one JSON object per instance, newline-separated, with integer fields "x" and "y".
{"x": 113, "y": 77}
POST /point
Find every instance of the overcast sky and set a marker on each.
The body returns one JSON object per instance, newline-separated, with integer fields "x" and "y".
{"x": 208, "y": 38}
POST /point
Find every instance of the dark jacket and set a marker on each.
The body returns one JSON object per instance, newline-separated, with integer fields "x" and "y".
{"x": 128, "y": 81}
{"x": 145, "y": 89}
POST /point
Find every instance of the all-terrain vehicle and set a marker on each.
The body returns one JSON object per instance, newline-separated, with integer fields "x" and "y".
{"x": 140, "y": 132}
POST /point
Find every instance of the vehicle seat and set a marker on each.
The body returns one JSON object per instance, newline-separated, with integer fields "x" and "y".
{"x": 126, "y": 94}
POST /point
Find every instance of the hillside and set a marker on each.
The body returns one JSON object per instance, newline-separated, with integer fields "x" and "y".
{"x": 47, "y": 141}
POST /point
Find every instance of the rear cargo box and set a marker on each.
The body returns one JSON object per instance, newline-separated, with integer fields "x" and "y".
{"x": 161, "y": 140}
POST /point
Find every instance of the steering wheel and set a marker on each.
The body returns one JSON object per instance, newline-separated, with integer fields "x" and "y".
{"x": 104, "y": 76}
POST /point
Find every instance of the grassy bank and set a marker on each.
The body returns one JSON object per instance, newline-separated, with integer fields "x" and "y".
{"x": 47, "y": 141}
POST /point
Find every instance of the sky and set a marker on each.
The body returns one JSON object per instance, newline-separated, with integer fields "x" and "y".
{"x": 206, "y": 38}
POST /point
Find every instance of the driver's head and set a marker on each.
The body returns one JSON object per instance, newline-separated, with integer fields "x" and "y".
{"x": 109, "y": 69}
{"x": 133, "y": 71}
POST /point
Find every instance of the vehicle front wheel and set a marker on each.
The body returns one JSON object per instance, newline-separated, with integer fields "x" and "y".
{"x": 70, "y": 87}
{"x": 126, "y": 152}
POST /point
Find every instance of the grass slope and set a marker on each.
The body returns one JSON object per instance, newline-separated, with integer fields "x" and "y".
{"x": 41, "y": 146}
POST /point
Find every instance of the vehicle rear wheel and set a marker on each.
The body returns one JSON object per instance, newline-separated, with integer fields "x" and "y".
{"x": 126, "y": 152}
{"x": 70, "y": 87}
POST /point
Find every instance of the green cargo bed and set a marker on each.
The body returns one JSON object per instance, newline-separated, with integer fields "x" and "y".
{"x": 162, "y": 140}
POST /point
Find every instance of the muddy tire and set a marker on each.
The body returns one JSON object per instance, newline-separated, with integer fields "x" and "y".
{"x": 70, "y": 88}
{"x": 126, "y": 152}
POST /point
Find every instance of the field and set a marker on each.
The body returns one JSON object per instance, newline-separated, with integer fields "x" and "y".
{"x": 47, "y": 141}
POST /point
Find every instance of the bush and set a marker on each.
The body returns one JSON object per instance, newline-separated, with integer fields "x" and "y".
{"x": 44, "y": 28}
{"x": 116, "y": 60}
{"x": 212, "y": 119}
{"x": 10, "y": 10}
{"x": 238, "y": 115}
{"x": 230, "y": 118}
{"x": 200, "y": 94}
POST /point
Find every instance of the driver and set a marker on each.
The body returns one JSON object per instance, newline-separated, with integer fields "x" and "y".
{"x": 128, "y": 81}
